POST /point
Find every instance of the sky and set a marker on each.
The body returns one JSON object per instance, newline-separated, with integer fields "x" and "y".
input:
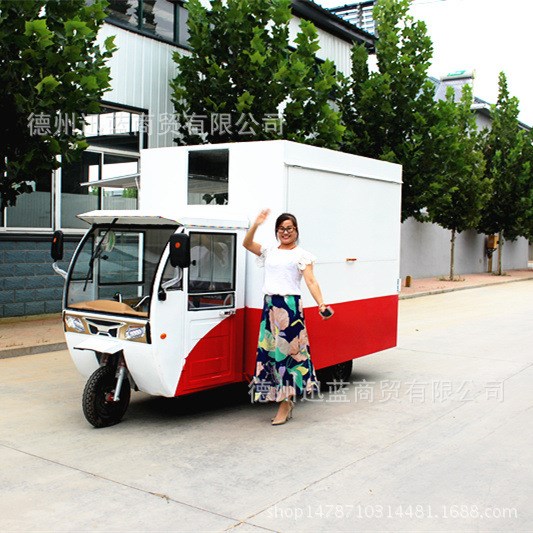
{"x": 484, "y": 36}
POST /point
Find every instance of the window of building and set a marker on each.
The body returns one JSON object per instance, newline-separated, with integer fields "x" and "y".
{"x": 78, "y": 197}
{"x": 33, "y": 210}
{"x": 75, "y": 197}
{"x": 181, "y": 16}
{"x": 116, "y": 128}
{"x": 116, "y": 136}
{"x": 208, "y": 177}
{"x": 125, "y": 11}
{"x": 158, "y": 18}
{"x": 114, "y": 166}
{"x": 162, "y": 18}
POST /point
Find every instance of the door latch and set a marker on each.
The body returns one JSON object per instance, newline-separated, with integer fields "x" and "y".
{"x": 229, "y": 312}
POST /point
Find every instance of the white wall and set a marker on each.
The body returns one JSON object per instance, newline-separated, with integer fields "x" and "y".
{"x": 483, "y": 121}
{"x": 425, "y": 251}
{"x": 331, "y": 47}
{"x": 141, "y": 70}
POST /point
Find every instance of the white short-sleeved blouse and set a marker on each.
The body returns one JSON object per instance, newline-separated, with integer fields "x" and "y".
{"x": 283, "y": 269}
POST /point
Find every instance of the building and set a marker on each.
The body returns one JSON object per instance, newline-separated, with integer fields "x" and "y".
{"x": 359, "y": 14}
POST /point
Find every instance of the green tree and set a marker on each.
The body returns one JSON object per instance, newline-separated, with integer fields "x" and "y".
{"x": 508, "y": 166}
{"x": 308, "y": 116}
{"x": 388, "y": 113}
{"x": 458, "y": 190}
{"x": 243, "y": 82}
{"x": 528, "y": 193}
{"x": 51, "y": 72}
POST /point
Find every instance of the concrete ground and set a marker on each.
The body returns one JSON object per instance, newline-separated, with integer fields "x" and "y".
{"x": 434, "y": 435}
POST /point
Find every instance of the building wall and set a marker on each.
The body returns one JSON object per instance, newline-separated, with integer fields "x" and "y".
{"x": 483, "y": 121}
{"x": 331, "y": 47}
{"x": 28, "y": 285}
{"x": 141, "y": 70}
{"x": 425, "y": 251}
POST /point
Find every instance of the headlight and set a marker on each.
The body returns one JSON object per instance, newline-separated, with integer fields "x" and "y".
{"x": 135, "y": 332}
{"x": 75, "y": 323}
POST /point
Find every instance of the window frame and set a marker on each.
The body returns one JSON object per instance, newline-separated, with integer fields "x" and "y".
{"x": 56, "y": 177}
{"x": 133, "y": 283}
{"x": 204, "y": 292}
{"x": 195, "y": 152}
{"x": 102, "y": 153}
{"x": 138, "y": 27}
{"x": 4, "y": 229}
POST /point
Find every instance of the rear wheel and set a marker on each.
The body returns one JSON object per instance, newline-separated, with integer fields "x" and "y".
{"x": 333, "y": 377}
{"x": 98, "y": 405}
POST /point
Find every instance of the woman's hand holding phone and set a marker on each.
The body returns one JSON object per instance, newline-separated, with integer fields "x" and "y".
{"x": 326, "y": 312}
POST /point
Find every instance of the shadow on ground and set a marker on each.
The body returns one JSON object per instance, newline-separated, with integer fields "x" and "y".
{"x": 211, "y": 402}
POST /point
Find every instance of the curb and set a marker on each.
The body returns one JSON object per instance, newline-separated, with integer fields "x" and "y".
{"x": 454, "y": 289}
{"x": 28, "y": 318}
{"x": 32, "y": 350}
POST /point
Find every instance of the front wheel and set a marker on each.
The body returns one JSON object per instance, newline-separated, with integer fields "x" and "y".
{"x": 98, "y": 405}
{"x": 333, "y": 377}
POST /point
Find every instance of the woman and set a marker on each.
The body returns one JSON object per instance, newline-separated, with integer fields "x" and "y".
{"x": 284, "y": 368}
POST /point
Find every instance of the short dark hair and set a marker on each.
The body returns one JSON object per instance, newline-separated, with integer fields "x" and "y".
{"x": 287, "y": 216}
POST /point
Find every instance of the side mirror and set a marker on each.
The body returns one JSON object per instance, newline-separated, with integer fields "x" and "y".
{"x": 57, "y": 246}
{"x": 180, "y": 250}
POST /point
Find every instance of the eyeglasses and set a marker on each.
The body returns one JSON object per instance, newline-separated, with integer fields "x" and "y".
{"x": 288, "y": 229}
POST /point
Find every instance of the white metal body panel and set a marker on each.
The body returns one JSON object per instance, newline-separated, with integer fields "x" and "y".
{"x": 345, "y": 217}
{"x": 140, "y": 359}
{"x": 167, "y": 318}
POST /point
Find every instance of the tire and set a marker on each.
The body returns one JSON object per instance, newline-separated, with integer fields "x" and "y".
{"x": 338, "y": 373}
{"x": 98, "y": 410}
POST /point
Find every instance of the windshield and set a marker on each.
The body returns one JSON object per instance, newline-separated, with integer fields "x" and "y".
{"x": 115, "y": 269}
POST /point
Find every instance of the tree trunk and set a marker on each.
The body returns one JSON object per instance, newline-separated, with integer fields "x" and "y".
{"x": 500, "y": 253}
{"x": 452, "y": 254}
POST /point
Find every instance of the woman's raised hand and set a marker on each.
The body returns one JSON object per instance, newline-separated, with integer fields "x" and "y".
{"x": 262, "y": 216}
{"x": 248, "y": 241}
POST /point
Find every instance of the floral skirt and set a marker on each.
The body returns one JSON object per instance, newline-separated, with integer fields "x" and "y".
{"x": 284, "y": 366}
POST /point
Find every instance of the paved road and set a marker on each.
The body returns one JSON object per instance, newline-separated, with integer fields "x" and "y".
{"x": 434, "y": 435}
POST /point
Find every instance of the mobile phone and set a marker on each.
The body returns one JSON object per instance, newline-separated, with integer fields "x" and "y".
{"x": 326, "y": 313}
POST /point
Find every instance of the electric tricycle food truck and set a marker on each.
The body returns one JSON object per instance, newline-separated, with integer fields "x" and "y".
{"x": 166, "y": 300}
